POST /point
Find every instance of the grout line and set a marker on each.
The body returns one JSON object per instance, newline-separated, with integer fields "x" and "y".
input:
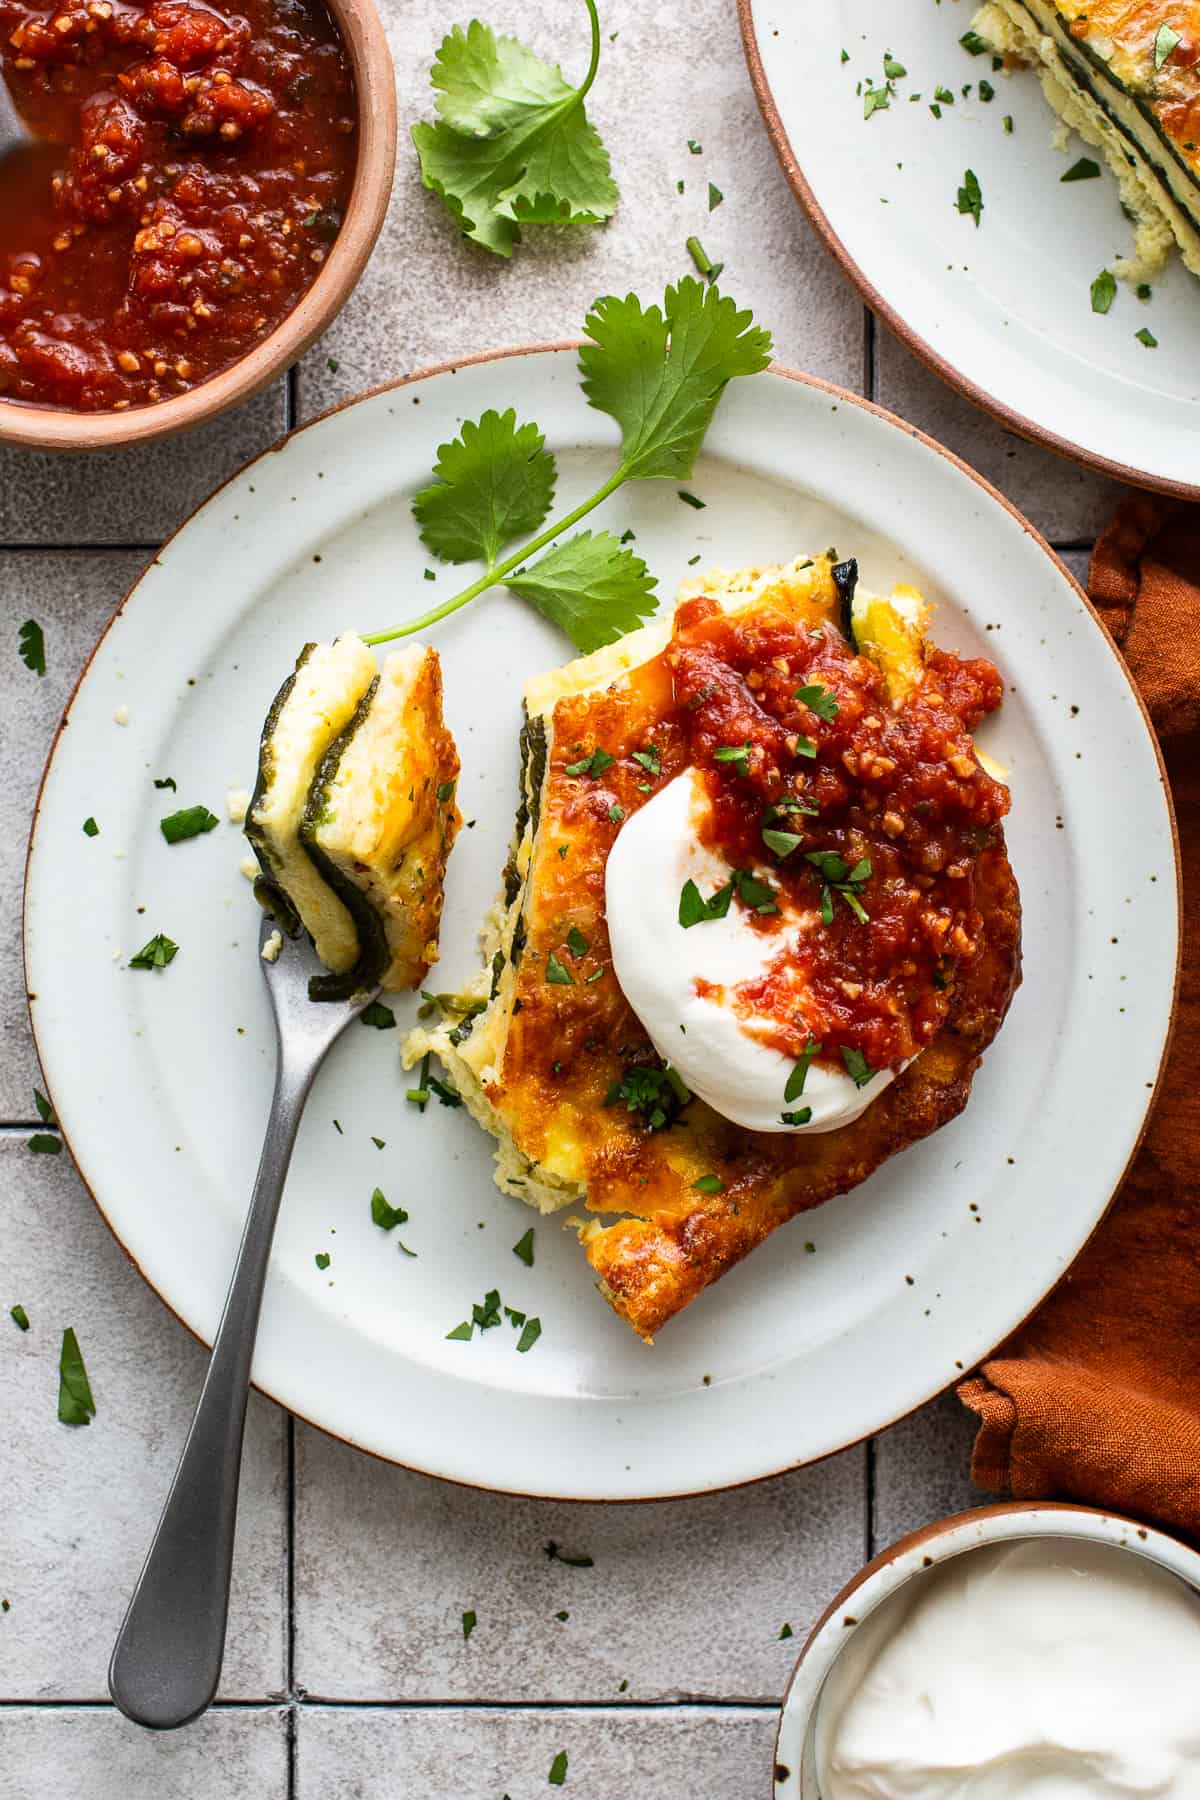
{"x": 81, "y": 549}
{"x": 869, "y": 368}
{"x": 869, "y": 1521}
{"x": 295, "y": 1707}
{"x": 291, "y": 399}
{"x": 290, "y": 1623}
{"x": 1074, "y": 544}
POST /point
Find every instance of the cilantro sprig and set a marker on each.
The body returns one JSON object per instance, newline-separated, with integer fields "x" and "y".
{"x": 660, "y": 373}
{"x": 513, "y": 145}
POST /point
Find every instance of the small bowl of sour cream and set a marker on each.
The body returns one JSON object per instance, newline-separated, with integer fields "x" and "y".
{"x": 1020, "y": 1650}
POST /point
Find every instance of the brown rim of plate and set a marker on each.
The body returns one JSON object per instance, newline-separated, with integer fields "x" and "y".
{"x": 843, "y": 397}
{"x": 62, "y": 429}
{"x": 924, "y": 352}
{"x": 936, "y": 1528}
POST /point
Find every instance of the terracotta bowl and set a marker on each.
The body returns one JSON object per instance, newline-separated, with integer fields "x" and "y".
{"x": 48, "y": 428}
{"x": 795, "y": 1775}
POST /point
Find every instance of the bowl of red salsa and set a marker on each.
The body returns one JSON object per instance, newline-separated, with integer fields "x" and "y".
{"x": 205, "y": 185}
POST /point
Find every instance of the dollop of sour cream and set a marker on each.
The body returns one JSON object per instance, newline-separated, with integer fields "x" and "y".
{"x": 663, "y": 969}
{"x": 1042, "y": 1670}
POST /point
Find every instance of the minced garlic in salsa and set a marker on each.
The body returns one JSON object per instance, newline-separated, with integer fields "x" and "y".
{"x": 197, "y": 166}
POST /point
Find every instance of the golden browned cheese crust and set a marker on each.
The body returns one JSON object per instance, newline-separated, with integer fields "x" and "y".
{"x": 572, "y": 1036}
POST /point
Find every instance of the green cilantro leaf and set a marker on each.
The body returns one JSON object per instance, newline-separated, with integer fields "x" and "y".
{"x": 976, "y": 45}
{"x": 800, "y": 1117}
{"x": 892, "y": 69}
{"x": 1147, "y": 337}
{"x": 530, "y": 1334}
{"x": 857, "y": 1067}
{"x": 558, "y": 1770}
{"x": 759, "y": 896}
{"x": 660, "y": 373}
{"x": 577, "y": 944}
{"x": 1165, "y": 40}
{"x": 876, "y": 99}
{"x": 468, "y": 1625}
{"x": 1083, "y": 170}
{"x": 90, "y": 828}
{"x": 657, "y": 1095}
{"x": 167, "y": 781}
{"x": 594, "y": 765}
{"x": 649, "y": 759}
{"x": 694, "y": 909}
{"x": 31, "y": 643}
{"x": 556, "y": 974}
{"x": 190, "y": 823}
{"x": 523, "y": 1248}
{"x": 709, "y": 1184}
{"x": 970, "y": 198}
{"x": 156, "y": 954}
{"x": 462, "y": 1332}
{"x": 799, "y": 1075}
{"x": 44, "y": 1109}
{"x": 590, "y": 587}
{"x": 385, "y": 1216}
{"x": 19, "y": 1317}
{"x": 75, "y": 1403}
{"x": 781, "y": 842}
{"x": 512, "y": 144}
{"x": 738, "y": 754}
{"x": 715, "y": 197}
{"x": 322, "y": 1259}
{"x": 494, "y": 482}
{"x": 1104, "y": 291}
{"x": 818, "y": 699}
{"x": 44, "y": 1143}
{"x": 381, "y": 1017}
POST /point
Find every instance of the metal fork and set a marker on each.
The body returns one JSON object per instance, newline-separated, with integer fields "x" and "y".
{"x": 167, "y": 1659}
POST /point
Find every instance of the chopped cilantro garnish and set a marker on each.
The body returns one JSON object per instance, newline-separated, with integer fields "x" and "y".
{"x": 523, "y": 1248}
{"x": 90, "y": 828}
{"x": 818, "y": 699}
{"x": 44, "y": 1109}
{"x": 322, "y": 1259}
{"x": 44, "y": 1143}
{"x": 694, "y": 909}
{"x": 709, "y": 1184}
{"x": 944, "y": 95}
{"x": 31, "y": 644}
{"x": 616, "y": 813}
{"x": 556, "y": 974}
{"x": 691, "y": 500}
{"x": 857, "y": 1067}
{"x": 1147, "y": 337}
{"x": 876, "y": 99}
{"x": 446, "y": 791}
{"x": 19, "y": 1317}
{"x": 759, "y": 896}
{"x": 167, "y": 781}
{"x": 558, "y": 1770}
{"x": 838, "y": 876}
{"x": 75, "y": 1403}
{"x": 156, "y": 954}
{"x": 715, "y": 197}
{"x": 738, "y": 754}
{"x": 595, "y": 764}
{"x": 800, "y": 1117}
{"x": 577, "y": 944}
{"x": 530, "y": 1333}
{"x": 1165, "y": 40}
{"x": 379, "y": 1143}
{"x": 892, "y": 69}
{"x": 970, "y": 197}
{"x": 1104, "y": 291}
{"x": 385, "y": 1216}
{"x": 1008, "y": 124}
{"x": 1083, "y": 170}
{"x": 786, "y": 1632}
{"x": 462, "y": 1332}
{"x": 976, "y": 45}
{"x": 799, "y": 1075}
{"x": 805, "y": 745}
{"x": 695, "y": 148}
{"x": 658, "y": 1095}
{"x": 596, "y": 975}
{"x": 986, "y": 91}
{"x": 781, "y": 842}
{"x": 447, "y": 1095}
{"x": 650, "y": 759}
{"x": 468, "y": 1625}
{"x": 380, "y": 1016}
{"x": 191, "y": 822}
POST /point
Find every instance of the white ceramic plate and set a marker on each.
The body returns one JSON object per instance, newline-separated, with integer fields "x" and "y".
{"x": 162, "y": 1080}
{"x": 1002, "y": 311}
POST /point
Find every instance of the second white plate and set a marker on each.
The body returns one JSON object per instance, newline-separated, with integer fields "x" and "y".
{"x": 846, "y": 1319}
{"x": 1001, "y": 310}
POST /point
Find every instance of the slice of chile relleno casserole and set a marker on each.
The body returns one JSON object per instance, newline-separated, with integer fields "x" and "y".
{"x": 756, "y": 929}
{"x": 353, "y": 816}
{"x": 1127, "y": 78}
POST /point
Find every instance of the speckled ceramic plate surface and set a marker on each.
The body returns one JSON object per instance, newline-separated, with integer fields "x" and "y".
{"x": 844, "y": 1320}
{"x": 1001, "y": 309}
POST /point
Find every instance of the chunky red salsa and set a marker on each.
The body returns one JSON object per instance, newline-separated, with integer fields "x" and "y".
{"x": 197, "y": 169}
{"x": 870, "y": 817}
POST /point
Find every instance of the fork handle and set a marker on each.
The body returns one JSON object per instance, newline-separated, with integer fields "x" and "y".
{"x": 166, "y": 1662}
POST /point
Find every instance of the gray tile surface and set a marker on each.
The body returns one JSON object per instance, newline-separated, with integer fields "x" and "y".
{"x": 1068, "y": 504}
{"x": 80, "y": 1502}
{"x": 449, "y": 1754}
{"x": 135, "y": 496}
{"x": 387, "y": 1563}
{"x": 429, "y": 295}
{"x": 96, "y": 1755}
{"x": 71, "y": 597}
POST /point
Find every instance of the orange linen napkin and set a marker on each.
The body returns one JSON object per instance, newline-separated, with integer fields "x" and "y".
{"x": 1097, "y": 1397}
